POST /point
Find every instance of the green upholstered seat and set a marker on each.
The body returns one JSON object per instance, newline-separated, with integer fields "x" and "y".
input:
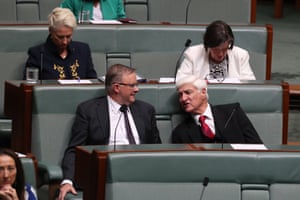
{"x": 179, "y": 175}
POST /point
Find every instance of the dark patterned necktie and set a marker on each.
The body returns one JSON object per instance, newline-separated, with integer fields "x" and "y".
{"x": 205, "y": 128}
{"x": 130, "y": 137}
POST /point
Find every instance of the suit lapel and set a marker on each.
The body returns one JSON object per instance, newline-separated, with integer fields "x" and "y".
{"x": 138, "y": 120}
{"x": 103, "y": 117}
{"x": 219, "y": 121}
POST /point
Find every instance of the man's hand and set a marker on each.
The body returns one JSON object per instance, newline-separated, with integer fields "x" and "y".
{"x": 64, "y": 189}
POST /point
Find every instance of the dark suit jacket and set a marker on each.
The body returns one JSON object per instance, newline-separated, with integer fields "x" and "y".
{"x": 46, "y": 54}
{"x": 239, "y": 128}
{"x": 91, "y": 127}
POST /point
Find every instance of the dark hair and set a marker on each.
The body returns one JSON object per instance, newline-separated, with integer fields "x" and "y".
{"x": 19, "y": 183}
{"x": 217, "y": 33}
{"x": 115, "y": 74}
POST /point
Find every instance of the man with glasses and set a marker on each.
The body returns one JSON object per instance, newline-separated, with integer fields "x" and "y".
{"x": 217, "y": 58}
{"x": 60, "y": 57}
{"x": 102, "y": 121}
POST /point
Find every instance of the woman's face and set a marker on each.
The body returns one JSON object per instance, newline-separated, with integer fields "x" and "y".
{"x": 8, "y": 170}
{"x": 61, "y": 37}
{"x": 218, "y": 54}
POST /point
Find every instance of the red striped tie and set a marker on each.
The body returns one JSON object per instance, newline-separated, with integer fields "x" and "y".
{"x": 205, "y": 128}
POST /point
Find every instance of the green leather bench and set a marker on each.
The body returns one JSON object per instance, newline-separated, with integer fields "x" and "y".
{"x": 29, "y": 171}
{"x": 54, "y": 109}
{"x": 152, "y": 49}
{"x": 234, "y": 11}
{"x": 25, "y": 11}
{"x": 179, "y": 175}
{"x": 194, "y": 11}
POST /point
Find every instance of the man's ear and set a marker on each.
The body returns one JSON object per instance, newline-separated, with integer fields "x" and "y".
{"x": 116, "y": 88}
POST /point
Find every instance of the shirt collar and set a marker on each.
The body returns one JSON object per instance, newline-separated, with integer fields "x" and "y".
{"x": 207, "y": 113}
{"x": 115, "y": 107}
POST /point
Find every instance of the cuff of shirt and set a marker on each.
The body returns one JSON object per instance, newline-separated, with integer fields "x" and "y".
{"x": 66, "y": 181}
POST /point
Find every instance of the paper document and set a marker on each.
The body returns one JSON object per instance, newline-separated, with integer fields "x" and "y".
{"x": 166, "y": 80}
{"x": 20, "y": 155}
{"x": 79, "y": 81}
{"x": 249, "y": 146}
{"x": 105, "y": 22}
{"x": 226, "y": 80}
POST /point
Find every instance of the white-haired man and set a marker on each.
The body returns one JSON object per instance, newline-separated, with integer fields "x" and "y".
{"x": 206, "y": 123}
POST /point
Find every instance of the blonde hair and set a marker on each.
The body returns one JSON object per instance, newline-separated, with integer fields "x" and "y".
{"x": 61, "y": 17}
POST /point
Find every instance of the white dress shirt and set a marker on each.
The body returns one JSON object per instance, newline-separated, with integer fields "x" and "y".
{"x": 209, "y": 119}
{"x": 118, "y": 134}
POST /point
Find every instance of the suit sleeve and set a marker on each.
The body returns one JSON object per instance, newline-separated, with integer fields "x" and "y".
{"x": 120, "y": 9}
{"x": 155, "y": 132}
{"x": 91, "y": 72}
{"x": 78, "y": 137}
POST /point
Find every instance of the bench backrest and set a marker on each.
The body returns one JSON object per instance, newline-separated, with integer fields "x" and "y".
{"x": 178, "y": 11}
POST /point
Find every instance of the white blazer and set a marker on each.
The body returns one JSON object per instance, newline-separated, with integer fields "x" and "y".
{"x": 196, "y": 62}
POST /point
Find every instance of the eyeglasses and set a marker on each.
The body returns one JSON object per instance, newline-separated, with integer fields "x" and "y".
{"x": 129, "y": 85}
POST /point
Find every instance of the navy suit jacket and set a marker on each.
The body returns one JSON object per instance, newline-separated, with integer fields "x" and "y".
{"x": 239, "y": 128}
{"x": 91, "y": 127}
{"x": 45, "y": 57}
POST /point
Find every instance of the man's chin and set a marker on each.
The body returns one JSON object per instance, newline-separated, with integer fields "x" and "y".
{"x": 186, "y": 109}
{"x": 131, "y": 100}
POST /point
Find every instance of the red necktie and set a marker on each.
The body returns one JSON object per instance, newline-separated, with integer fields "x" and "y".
{"x": 205, "y": 128}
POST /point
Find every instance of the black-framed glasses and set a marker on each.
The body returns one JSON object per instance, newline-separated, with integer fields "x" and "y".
{"x": 129, "y": 85}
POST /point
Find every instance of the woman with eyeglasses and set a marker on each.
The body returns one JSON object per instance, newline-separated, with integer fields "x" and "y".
{"x": 217, "y": 58}
{"x": 60, "y": 57}
{"x": 12, "y": 181}
{"x": 98, "y": 9}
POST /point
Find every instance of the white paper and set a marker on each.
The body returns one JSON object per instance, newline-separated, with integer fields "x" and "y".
{"x": 226, "y": 80}
{"x": 105, "y": 22}
{"x": 249, "y": 146}
{"x": 20, "y": 155}
{"x": 79, "y": 81}
{"x": 166, "y": 80}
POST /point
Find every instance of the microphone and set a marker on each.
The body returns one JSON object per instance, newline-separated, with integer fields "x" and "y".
{"x": 226, "y": 124}
{"x": 42, "y": 63}
{"x": 205, "y": 183}
{"x": 186, "y": 45}
{"x": 187, "y": 11}
{"x": 122, "y": 109}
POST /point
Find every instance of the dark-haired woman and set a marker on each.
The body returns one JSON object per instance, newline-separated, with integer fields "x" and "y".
{"x": 217, "y": 58}
{"x": 12, "y": 181}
